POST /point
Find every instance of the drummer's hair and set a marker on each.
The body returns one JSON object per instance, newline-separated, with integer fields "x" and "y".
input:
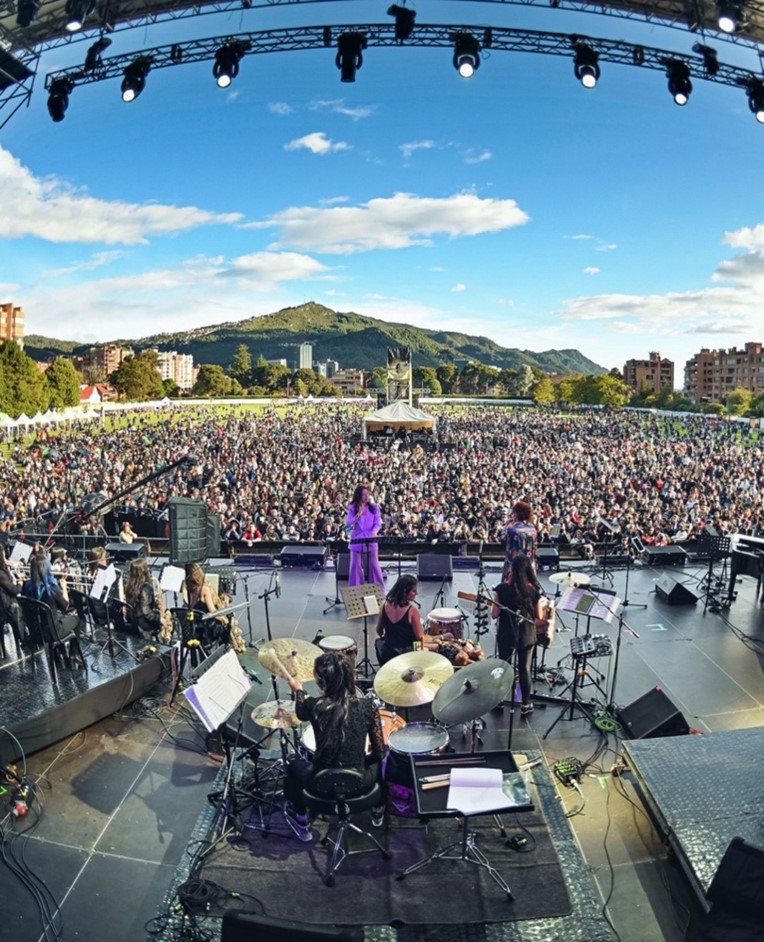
{"x": 398, "y": 595}
{"x": 334, "y": 675}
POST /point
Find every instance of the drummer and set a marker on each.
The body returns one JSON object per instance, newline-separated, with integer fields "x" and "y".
{"x": 399, "y": 625}
{"x": 341, "y": 722}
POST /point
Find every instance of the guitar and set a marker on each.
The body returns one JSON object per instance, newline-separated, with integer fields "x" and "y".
{"x": 544, "y": 628}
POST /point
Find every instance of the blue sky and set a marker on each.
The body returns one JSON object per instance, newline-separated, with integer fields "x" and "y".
{"x": 516, "y": 205}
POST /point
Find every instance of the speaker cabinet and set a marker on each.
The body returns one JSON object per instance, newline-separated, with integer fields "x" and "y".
{"x": 311, "y": 556}
{"x": 739, "y": 880}
{"x": 125, "y": 552}
{"x": 432, "y": 567}
{"x": 188, "y": 530}
{"x": 246, "y": 927}
{"x": 343, "y": 565}
{"x": 672, "y": 592}
{"x": 213, "y": 535}
{"x": 665, "y": 556}
{"x": 653, "y": 715}
{"x": 548, "y": 558}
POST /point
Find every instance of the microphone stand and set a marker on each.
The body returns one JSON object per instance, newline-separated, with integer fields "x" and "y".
{"x": 265, "y": 596}
{"x": 626, "y": 601}
{"x": 622, "y": 623}
{"x": 440, "y": 594}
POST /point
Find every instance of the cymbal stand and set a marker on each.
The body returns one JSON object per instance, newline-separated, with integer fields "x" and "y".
{"x": 274, "y": 588}
{"x": 626, "y": 601}
{"x": 245, "y": 578}
{"x": 334, "y": 602}
{"x": 481, "y": 608}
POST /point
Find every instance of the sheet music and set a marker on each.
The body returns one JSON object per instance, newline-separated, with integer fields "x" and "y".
{"x": 585, "y": 600}
{"x": 477, "y": 790}
{"x": 171, "y": 579}
{"x": 219, "y": 691}
{"x": 371, "y": 605}
{"x": 103, "y": 581}
{"x": 21, "y": 552}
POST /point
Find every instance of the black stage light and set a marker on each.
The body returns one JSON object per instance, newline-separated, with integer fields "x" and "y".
{"x": 679, "y": 83}
{"x": 730, "y": 15}
{"x": 404, "y": 21}
{"x": 710, "y": 61}
{"x": 93, "y": 56}
{"x": 26, "y": 11}
{"x": 755, "y": 89}
{"x": 134, "y": 80}
{"x": 176, "y": 53}
{"x": 58, "y": 97}
{"x": 349, "y": 57}
{"x": 586, "y": 65}
{"x": 226, "y": 66}
{"x": 77, "y": 11}
{"x": 466, "y": 54}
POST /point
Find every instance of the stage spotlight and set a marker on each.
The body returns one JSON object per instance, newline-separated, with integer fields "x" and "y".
{"x": 77, "y": 11}
{"x": 58, "y": 97}
{"x": 176, "y": 53}
{"x": 93, "y": 56}
{"x": 679, "y": 83}
{"x": 349, "y": 57}
{"x": 730, "y": 15}
{"x": 755, "y": 90}
{"x": 227, "y": 59}
{"x": 466, "y": 54}
{"x": 710, "y": 61}
{"x": 404, "y": 21}
{"x": 134, "y": 80}
{"x": 586, "y": 65}
{"x": 26, "y": 11}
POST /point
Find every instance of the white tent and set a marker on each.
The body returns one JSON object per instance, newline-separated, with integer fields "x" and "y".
{"x": 398, "y": 415}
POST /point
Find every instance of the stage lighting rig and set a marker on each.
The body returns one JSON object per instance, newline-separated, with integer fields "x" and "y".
{"x": 58, "y": 97}
{"x": 227, "y": 59}
{"x": 349, "y": 56}
{"x": 26, "y": 11}
{"x": 679, "y": 84}
{"x": 755, "y": 90}
{"x": 135, "y": 78}
{"x": 404, "y": 21}
{"x": 466, "y": 54}
{"x": 77, "y": 11}
{"x": 710, "y": 60}
{"x": 730, "y": 15}
{"x": 586, "y": 64}
{"x": 93, "y": 56}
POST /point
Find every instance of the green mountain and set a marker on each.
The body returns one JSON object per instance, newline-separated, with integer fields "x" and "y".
{"x": 353, "y": 340}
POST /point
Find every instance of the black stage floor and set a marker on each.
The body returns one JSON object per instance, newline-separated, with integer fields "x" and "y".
{"x": 123, "y": 797}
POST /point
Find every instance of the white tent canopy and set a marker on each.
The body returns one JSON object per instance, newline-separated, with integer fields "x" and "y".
{"x": 398, "y": 415}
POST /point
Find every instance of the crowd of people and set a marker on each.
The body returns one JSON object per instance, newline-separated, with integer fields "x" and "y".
{"x": 591, "y": 478}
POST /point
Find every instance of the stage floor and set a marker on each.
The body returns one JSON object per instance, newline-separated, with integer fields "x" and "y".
{"x": 126, "y": 794}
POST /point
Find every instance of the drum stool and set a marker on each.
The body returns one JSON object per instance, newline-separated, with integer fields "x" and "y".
{"x": 340, "y": 792}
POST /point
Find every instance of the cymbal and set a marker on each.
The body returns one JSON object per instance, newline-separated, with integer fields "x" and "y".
{"x": 291, "y": 654}
{"x": 570, "y": 579}
{"x": 412, "y": 679}
{"x": 276, "y": 714}
{"x": 472, "y": 691}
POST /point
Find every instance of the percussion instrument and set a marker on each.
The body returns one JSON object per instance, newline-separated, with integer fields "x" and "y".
{"x": 389, "y": 721}
{"x": 473, "y": 691}
{"x": 412, "y": 679}
{"x": 276, "y": 714}
{"x": 422, "y": 739}
{"x": 418, "y": 739}
{"x": 570, "y": 579}
{"x": 292, "y": 655}
{"x": 545, "y": 633}
{"x": 443, "y": 621}
{"x": 340, "y": 644}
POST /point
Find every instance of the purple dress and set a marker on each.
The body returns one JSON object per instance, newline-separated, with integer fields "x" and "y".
{"x": 364, "y": 557}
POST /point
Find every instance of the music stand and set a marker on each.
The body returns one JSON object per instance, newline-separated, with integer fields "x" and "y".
{"x": 360, "y": 602}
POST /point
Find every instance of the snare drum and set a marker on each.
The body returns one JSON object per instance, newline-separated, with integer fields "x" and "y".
{"x": 442, "y": 621}
{"x": 414, "y": 739}
{"x": 418, "y": 739}
{"x": 340, "y": 644}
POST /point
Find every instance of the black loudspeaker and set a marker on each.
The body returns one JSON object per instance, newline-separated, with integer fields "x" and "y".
{"x": 739, "y": 880}
{"x": 665, "y": 556}
{"x": 244, "y": 927}
{"x": 213, "y": 535}
{"x": 307, "y": 555}
{"x": 125, "y": 552}
{"x": 343, "y": 565}
{"x": 651, "y": 716}
{"x": 433, "y": 567}
{"x": 672, "y": 592}
{"x": 548, "y": 557}
{"x": 188, "y": 531}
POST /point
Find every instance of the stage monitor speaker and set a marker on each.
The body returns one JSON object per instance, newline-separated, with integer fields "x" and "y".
{"x": 343, "y": 565}
{"x": 309, "y": 555}
{"x": 246, "y": 927}
{"x": 672, "y": 592}
{"x": 548, "y": 558}
{"x": 188, "y": 530}
{"x": 651, "y": 716}
{"x": 739, "y": 879}
{"x": 433, "y": 567}
{"x": 213, "y": 535}
{"x": 125, "y": 552}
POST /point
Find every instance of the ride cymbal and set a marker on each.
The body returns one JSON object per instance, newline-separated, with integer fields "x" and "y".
{"x": 289, "y": 656}
{"x": 472, "y": 691}
{"x": 276, "y": 714}
{"x": 412, "y": 679}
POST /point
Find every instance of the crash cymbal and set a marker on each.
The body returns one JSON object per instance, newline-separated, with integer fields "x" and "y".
{"x": 290, "y": 655}
{"x": 276, "y": 714}
{"x": 472, "y": 691}
{"x": 570, "y": 579}
{"x": 412, "y": 679}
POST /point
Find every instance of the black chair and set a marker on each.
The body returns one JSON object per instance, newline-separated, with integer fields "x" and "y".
{"x": 339, "y": 793}
{"x": 55, "y": 633}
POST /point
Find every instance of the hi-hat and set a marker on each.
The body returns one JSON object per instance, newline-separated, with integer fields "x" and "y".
{"x": 290, "y": 656}
{"x": 571, "y": 580}
{"x": 412, "y": 679}
{"x": 276, "y": 714}
{"x": 472, "y": 691}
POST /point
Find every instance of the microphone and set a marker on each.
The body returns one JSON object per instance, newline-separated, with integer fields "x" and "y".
{"x": 252, "y": 675}
{"x": 278, "y": 585}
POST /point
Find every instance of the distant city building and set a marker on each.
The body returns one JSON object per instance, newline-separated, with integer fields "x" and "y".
{"x": 179, "y": 367}
{"x": 655, "y": 374}
{"x": 350, "y": 382}
{"x": 305, "y": 361}
{"x": 103, "y": 360}
{"x": 332, "y": 366}
{"x": 11, "y": 323}
{"x": 712, "y": 374}
{"x": 96, "y": 393}
{"x": 281, "y": 362}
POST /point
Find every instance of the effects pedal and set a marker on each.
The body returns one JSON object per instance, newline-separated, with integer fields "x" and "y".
{"x": 568, "y": 770}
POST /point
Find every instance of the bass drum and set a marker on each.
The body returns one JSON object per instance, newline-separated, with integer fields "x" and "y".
{"x": 421, "y": 739}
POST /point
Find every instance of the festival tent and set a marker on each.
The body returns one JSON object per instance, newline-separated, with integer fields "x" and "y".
{"x": 398, "y": 415}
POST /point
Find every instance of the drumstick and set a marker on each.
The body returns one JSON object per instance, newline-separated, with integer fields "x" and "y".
{"x": 436, "y": 778}
{"x": 428, "y": 785}
{"x": 467, "y": 760}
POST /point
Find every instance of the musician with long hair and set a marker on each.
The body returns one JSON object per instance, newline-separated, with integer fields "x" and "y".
{"x": 363, "y": 521}
{"x": 517, "y": 605}
{"x": 399, "y": 624}
{"x": 145, "y": 598}
{"x": 341, "y": 721}
{"x": 10, "y": 610}
{"x": 202, "y": 598}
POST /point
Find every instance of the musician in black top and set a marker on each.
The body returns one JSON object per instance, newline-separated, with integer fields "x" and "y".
{"x": 517, "y": 605}
{"x": 399, "y": 624}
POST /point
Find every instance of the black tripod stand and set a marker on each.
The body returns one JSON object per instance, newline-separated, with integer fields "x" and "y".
{"x": 586, "y": 647}
{"x": 626, "y": 601}
{"x": 334, "y": 546}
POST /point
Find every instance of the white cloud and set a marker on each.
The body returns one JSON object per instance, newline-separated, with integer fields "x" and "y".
{"x": 267, "y": 268}
{"x": 412, "y": 146}
{"x": 579, "y": 238}
{"x": 280, "y": 108}
{"x": 396, "y": 222}
{"x": 7, "y": 290}
{"x": 459, "y": 287}
{"x": 338, "y": 106}
{"x": 45, "y": 209}
{"x": 97, "y": 260}
{"x": 317, "y": 143}
{"x": 605, "y": 246}
{"x": 591, "y": 270}
{"x": 746, "y": 238}
{"x": 477, "y": 157}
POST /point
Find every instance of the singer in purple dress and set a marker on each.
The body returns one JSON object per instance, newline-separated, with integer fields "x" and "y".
{"x": 363, "y": 521}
